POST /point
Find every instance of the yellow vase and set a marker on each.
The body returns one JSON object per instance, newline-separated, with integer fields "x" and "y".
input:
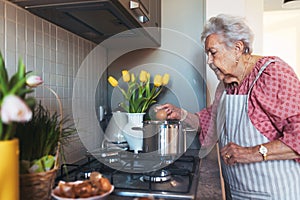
{"x": 9, "y": 170}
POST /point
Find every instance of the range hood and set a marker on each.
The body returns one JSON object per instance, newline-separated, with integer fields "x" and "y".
{"x": 95, "y": 20}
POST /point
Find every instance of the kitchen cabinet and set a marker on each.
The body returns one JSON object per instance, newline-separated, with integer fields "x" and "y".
{"x": 97, "y": 20}
{"x": 146, "y": 12}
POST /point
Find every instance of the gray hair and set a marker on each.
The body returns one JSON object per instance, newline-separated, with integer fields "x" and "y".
{"x": 232, "y": 28}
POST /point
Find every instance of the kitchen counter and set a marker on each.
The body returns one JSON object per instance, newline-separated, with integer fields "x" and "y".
{"x": 209, "y": 187}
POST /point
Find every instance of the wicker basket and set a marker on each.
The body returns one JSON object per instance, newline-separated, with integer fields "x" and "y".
{"x": 37, "y": 186}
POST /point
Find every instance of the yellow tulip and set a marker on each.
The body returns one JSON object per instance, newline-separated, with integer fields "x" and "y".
{"x": 126, "y": 76}
{"x": 165, "y": 79}
{"x": 112, "y": 81}
{"x": 132, "y": 77}
{"x": 143, "y": 76}
{"x": 157, "y": 80}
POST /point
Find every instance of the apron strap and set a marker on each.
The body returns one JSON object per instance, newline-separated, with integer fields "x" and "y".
{"x": 256, "y": 78}
{"x": 259, "y": 74}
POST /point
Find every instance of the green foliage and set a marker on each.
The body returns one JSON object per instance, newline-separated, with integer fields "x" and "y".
{"x": 40, "y": 136}
{"x": 141, "y": 97}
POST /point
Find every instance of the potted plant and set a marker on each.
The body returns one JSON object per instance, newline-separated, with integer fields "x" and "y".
{"x": 40, "y": 147}
{"x": 139, "y": 95}
{"x": 15, "y": 107}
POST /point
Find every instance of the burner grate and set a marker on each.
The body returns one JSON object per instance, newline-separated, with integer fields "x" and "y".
{"x": 157, "y": 176}
{"x": 176, "y": 184}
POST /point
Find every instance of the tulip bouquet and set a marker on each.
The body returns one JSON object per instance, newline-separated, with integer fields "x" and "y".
{"x": 14, "y": 105}
{"x": 139, "y": 95}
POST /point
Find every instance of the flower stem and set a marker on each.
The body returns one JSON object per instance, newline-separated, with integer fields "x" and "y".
{"x": 8, "y": 134}
{"x": 1, "y": 129}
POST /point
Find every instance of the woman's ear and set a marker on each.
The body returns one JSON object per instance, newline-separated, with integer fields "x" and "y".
{"x": 239, "y": 47}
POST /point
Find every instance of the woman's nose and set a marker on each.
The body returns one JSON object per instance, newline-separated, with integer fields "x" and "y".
{"x": 209, "y": 59}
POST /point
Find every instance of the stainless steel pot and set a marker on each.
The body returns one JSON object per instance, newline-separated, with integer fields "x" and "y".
{"x": 164, "y": 137}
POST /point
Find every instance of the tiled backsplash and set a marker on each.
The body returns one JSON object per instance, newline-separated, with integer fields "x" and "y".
{"x": 49, "y": 51}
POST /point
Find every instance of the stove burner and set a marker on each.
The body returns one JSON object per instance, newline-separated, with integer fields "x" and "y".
{"x": 158, "y": 176}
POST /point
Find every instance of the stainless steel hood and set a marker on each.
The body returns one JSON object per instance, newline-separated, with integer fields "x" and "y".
{"x": 95, "y": 20}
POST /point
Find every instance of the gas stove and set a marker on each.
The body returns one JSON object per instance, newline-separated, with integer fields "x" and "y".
{"x": 175, "y": 178}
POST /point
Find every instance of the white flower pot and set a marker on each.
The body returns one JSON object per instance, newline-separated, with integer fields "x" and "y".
{"x": 133, "y": 132}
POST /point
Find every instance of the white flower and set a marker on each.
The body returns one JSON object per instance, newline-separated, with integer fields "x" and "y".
{"x": 34, "y": 81}
{"x": 13, "y": 108}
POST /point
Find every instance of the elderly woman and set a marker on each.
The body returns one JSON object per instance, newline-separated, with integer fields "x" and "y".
{"x": 255, "y": 116}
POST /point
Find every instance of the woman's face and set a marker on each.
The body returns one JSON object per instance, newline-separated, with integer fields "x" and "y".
{"x": 222, "y": 59}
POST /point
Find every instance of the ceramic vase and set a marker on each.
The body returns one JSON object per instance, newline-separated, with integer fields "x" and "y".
{"x": 9, "y": 169}
{"x": 133, "y": 131}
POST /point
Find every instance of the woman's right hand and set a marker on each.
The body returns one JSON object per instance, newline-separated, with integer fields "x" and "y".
{"x": 175, "y": 113}
{"x": 172, "y": 111}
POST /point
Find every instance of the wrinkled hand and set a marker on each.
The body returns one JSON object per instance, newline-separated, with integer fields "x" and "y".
{"x": 233, "y": 153}
{"x": 172, "y": 111}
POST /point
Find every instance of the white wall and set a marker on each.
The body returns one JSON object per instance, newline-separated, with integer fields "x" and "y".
{"x": 252, "y": 10}
{"x": 281, "y": 36}
{"x": 184, "y": 16}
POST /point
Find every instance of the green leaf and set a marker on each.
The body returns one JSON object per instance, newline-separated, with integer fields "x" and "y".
{"x": 147, "y": 104}
{"x": 3, "y": 77}
{"x": 9, "y": 132}
{"x": 14, "y": 80}
{"x": 141, "y": 90}
{"x": 147, "y": 88}
{"x": 21, "y": 70}
{"x": 154, "y": 95}
{"x": 23, "y": 91}
{"x": 138, "y": 104}
{"x": 124, "y": 106}
{"x": 19, "y": 85}
{"x": 124, "y": 93}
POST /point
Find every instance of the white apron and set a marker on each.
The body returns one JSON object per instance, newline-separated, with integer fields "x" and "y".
{"x": 276, "y": 180}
